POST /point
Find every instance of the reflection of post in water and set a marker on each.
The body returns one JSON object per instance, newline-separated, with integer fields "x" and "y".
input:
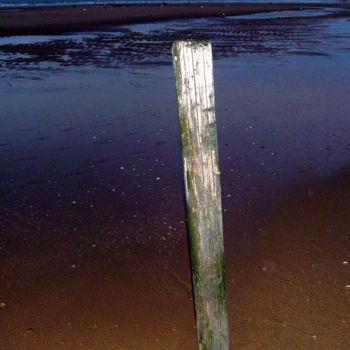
{"x": 195, "y": 97}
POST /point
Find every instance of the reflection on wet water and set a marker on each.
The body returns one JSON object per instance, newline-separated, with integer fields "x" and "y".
{"x": 276, "y": 34}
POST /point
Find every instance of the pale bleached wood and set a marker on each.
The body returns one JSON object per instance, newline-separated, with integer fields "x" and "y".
{"x": 193, "y": 69}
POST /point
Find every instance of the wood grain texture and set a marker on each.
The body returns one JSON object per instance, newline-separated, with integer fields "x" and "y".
{"x": 196, "y": 110}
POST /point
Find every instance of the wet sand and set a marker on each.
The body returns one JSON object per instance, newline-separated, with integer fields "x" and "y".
{"x": 93, "y": 247}
{"x": 286, "y": 290}
{"x": 67, "y": 19}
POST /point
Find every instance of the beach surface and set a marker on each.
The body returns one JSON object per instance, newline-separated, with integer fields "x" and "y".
{"x": 93, "y": 241}
{"x": 66, "y": 19}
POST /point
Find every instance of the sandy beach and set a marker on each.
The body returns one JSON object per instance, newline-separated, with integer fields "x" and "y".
{"x": 93, "y": 241}
{"x": 66, "y": 19}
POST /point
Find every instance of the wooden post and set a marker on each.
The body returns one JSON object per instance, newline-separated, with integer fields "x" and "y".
{"x": 193, "y": 69}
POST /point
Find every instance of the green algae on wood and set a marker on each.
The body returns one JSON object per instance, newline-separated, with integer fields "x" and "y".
{"x": 193, "y": 70}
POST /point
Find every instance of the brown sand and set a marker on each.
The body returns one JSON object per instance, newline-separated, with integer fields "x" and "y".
{"x": 51, "y": 20}
{"x": 286, "y": 290}
{"x": 290, "y": 289}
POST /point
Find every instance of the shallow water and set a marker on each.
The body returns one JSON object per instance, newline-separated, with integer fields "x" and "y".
{"x": 274, "y": 34}
{"x": 83, "y": 126}
{"x": 39, "y": 3}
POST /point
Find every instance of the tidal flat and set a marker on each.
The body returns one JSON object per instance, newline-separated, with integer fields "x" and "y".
{"x": 93, "y": 242}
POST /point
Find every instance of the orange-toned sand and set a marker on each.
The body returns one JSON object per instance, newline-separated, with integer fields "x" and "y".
{"x": 286, "y": 289}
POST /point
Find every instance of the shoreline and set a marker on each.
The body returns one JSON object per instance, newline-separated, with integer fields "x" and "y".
{"x": 48, "y": 20}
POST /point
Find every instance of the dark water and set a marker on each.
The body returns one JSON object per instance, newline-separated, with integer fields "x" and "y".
{"x": 26, "y": 3}
{"x": 88, "y": 123}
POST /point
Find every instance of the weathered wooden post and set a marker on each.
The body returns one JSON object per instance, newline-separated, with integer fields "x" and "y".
{"x": 195, "y": 97}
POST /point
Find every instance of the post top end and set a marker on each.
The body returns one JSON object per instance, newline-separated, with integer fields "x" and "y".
{"x": 192, "y": 43}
